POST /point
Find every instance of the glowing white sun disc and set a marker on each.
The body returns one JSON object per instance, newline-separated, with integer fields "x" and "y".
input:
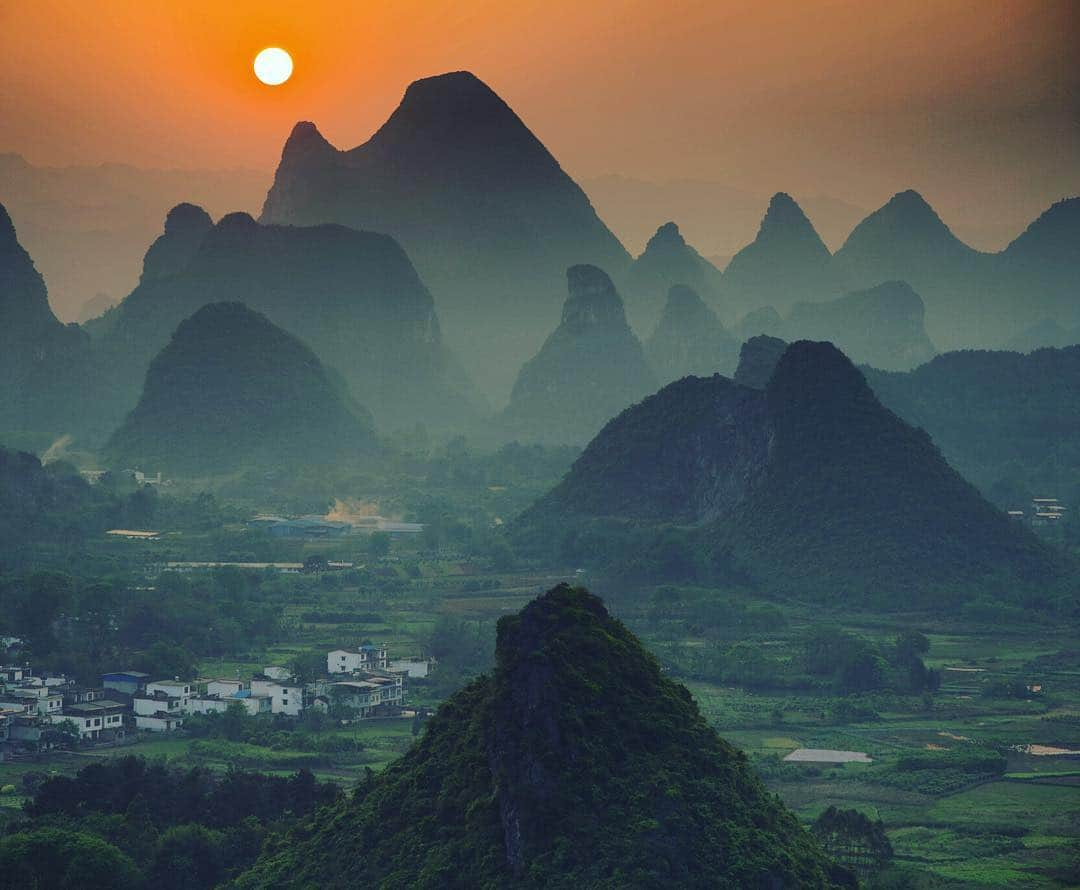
{"x": 273, "y": 66}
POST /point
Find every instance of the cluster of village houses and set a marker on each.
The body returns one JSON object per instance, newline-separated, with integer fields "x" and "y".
{"x": 361, "y": 682}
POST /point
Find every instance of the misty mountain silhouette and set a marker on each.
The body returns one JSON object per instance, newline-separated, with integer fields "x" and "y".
{"x": 589, "y": 369}
{"x": 811, "y": 484}
{"x": 689, "y": 339}
{"x": 352, "y": 296}
{"x": 574, "y": 763}
{"x": 232, "y": 390}
{"x": 881, "y": 326}
{"x": 786, "y": 262}
{"x": 42, "y": 361}
{"x": 666, "y": 261}
{"x": 485, "y": 212}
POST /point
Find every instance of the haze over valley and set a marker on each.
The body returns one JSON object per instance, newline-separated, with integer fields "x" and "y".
{"x": 539, "y": 448}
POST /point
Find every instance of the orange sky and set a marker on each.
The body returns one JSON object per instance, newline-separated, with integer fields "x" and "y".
{"x": 971, "y": 101}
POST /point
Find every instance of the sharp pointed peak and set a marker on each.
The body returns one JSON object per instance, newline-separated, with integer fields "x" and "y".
{"x": 785, "y": 220}
{"x": 667, "y": 235}
{"x": 304, "y": 141}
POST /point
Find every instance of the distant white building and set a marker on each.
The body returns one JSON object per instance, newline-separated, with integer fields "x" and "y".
{"x": 94, "y": 720}
{"x": 414, "y": 668}
{"x": 363, "y": 658}
{"x": 173, "y": 689}
{"x": 285, "y": 698}
{"x": 160, "y": 722}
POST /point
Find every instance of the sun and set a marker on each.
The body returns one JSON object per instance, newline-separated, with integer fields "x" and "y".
{"x": 273, "y": 66}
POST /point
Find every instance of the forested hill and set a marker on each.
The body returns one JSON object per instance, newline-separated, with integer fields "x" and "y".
{"x": 574, "y": 764}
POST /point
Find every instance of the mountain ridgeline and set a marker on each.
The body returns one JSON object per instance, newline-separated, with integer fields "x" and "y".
{"x": 520, "y": 768}
{"x": 353, "y": 297}
{"x": 666, "y": 261}
{"x": 689, "y": 339}
{"x": 231, "y": 391}
{"x": 810, "y": 484}
{"x": 485, "y": 212}
{"x": 43, "y": 362}
{"x": 589, "y": 368}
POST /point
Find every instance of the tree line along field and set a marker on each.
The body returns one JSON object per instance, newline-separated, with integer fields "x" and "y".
{"x": 970, "y": 823}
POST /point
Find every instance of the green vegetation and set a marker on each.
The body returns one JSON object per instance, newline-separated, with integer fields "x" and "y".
{"x": 518, "y": 767}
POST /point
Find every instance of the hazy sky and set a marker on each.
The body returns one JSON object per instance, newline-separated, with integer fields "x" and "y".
{"x": 974, "y": 103}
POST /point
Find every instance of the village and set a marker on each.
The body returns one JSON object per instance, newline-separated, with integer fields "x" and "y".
{"x": 42, "y": 713}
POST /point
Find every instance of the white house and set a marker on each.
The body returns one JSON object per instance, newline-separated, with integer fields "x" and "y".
{"x": 253, "y": 704}
{"x": 147, "y": 704}
{"x": 160, "y": 722}
{"x": 415, "y": 668}
{"x": 173, "y": 689}
{"x": 285, "y": 698}
{"x": 223, "y": 687}
{"x": 363, "y": 658}
{"x": 94, "y": 718}
{"x": 39, "y": 700}
{"x": 277, "y": 673}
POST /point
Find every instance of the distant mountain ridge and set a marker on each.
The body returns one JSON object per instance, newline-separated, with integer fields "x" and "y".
{"x": 485, "y": 212}
{"x": 231, "y": 390}
{"x": 689, "y": 339}
{"x": 589, "y": 368}
{"x": 971, "y": 298}
{"x": 353, "y": 297}
{"x": 666, "y": 261}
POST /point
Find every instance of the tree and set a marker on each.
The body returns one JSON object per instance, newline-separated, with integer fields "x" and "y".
{"x": 189, "y": 857}
{"x": 55, "y": 857}
{"x": 378, "y": 545}
{"x": 853, "y": 840}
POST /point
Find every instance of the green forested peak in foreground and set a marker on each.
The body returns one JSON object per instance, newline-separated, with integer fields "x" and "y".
{"x": 573, "y": 764}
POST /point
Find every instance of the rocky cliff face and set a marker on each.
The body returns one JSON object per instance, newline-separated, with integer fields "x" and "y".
{"x": 757, "y": 360}
{"x": 231, "y": 390}
{"x": 689, "y": 339}
{"x": 543, "y": 774}
{"x": 483, "y": 209}
{"x": 589, "y": 369}
{"x": 353, "y": 297}
{"x": 666, "y": 261}
{"x": 42, "y": 361}
{"x": 786, "y": 262}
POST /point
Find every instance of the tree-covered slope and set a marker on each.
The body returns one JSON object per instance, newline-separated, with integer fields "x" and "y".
{"x": 811, "y": 485}
{"x": 232, "y": 390}
{"x": 855, "y": 501}
{"x": 574, "y": 764}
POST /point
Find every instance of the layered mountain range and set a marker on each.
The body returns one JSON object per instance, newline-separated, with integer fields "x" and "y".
{"x": 231, "y": 390}
{"x": 689, "y": 339}
{"x": 353, "y": 297}
{"x": 485, "y": 212}
{"x": 666, "y": 261}
{"x": 971, "y": 298}
{"x": 574, "y": 763}
{"x": 810, "y": 483}
{"x": 589, "y": 368}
